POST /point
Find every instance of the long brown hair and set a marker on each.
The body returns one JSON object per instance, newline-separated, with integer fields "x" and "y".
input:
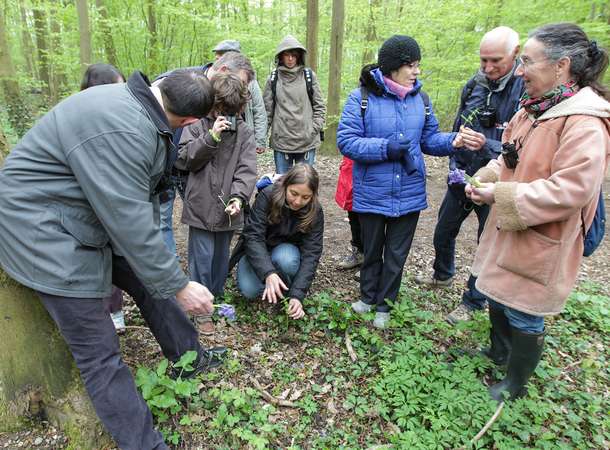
{"x": 298, "y": 174}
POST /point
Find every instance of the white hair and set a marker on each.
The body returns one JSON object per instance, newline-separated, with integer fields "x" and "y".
{"x": 506, "y": 34}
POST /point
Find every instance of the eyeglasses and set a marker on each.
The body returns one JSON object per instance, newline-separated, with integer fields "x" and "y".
{"x": 526, "y": 62}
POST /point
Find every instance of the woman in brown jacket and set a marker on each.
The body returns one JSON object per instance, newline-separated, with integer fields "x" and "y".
{"x": 544, "y": 190}
{"x": 219, "y": 151}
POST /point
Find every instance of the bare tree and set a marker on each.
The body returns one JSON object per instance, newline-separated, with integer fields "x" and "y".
{"x": 106, "y": 32}
{"x": 86, "y": 55}
{"x": 313, "y": 22}
{"x": 42, "y": 46}
{"x": 335, "y": 61}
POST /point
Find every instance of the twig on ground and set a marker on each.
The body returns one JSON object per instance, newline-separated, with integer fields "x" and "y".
{"x": 270, "y": 398}
{"x": 569, "y": 366}
{"x": 488, "y": 424}
{"x": 350, "y": 349}
{"x": 136, "y": 327}
{"x": 380, "y": 447}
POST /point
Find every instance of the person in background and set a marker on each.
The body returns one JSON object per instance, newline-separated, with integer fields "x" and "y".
{"x": 344, "y": 198}
{"x": 232, "y": 62}
{"x": 220, "y": 154}
{"x": 295, "y": 107}
{"x": 488, "y": 102}
{"x": 95, "y": 75}
{"x": 254, "y": 113}
{"x": 386, "y": 141}
{"x": 543, "y": 191}
{"x": 278, "y": 253}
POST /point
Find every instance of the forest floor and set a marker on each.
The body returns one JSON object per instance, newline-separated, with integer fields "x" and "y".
{"x": 333, "y": 381}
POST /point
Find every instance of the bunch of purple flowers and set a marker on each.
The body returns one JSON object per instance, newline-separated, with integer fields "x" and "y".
{"x": 227, "y": 311}
{"x": 456, "y": 176}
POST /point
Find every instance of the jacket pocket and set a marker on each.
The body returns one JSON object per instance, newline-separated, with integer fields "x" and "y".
{"x": 529, "y": 254}
{"x": 84, "y": 226}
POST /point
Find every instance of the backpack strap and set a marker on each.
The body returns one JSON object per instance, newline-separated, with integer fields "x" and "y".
{"x": 273, "y": 78}
{"x": 309, "y": 83}
{"x": 426, "y": 98}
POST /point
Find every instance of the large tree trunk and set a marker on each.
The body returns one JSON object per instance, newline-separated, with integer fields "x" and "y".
{"x": 38, "y": 377}
{"x": 109, "y": 48}
{"x": 17, "y": 110}
{"x": 58, "y": 74}
{"x": 334, "y": 76}
{"x": 85, "y": 34}
{"x": 371, "y": 35}
{"x": 313, "y": 21}
{"x": 4, "y": 148}
{"x": 27, "y": 43}
{"x": 151, "y": 22}
{"x": 40, "y": 27}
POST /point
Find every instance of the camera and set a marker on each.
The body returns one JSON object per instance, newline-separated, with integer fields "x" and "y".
{"x": 510, "y": 155}
{"x": 232, "y": 122}
{"x": 487, "y": 117}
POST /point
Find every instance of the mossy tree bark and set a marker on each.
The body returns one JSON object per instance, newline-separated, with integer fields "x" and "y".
{"x": 38, "y": 377}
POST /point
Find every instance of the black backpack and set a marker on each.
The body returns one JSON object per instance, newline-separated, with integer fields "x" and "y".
{"x": 595, "y": 234}
{"x": 308, "y": 84}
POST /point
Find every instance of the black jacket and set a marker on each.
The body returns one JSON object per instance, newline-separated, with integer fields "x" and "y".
{"x": 259, "y": 237}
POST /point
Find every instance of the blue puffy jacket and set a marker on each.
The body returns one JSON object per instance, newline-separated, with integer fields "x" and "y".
{"x": 382, "y": 186}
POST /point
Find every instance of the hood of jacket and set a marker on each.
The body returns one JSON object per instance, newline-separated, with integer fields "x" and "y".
{"x": 585, "y": 102}
{"x": 289, "y": 43}
{"x": 372, "y": 79}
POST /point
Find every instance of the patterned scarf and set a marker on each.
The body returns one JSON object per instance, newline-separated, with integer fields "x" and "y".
{"x": 537, "y": 106}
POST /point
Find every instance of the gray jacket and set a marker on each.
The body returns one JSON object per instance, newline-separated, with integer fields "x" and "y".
{"x": 295, "y": 122}
{"x": 255, "y": 114}
{"x": 80, "y": 185}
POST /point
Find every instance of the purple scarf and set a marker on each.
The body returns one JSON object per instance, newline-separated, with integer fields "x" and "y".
{"x": 398, "y": 89}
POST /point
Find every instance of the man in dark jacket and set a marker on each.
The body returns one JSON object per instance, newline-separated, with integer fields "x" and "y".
{"x": 80, "y": 212}
{"x": 488, "y": 102}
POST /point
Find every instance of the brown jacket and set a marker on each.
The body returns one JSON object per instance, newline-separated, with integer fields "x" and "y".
{"x": 218, "y": 173}
{"x": 530, "y": 252}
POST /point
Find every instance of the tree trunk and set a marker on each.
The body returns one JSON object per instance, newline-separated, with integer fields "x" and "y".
{"x": 371, "y": 35}
{"x": 85, "y": 34}
{"x": 334, "y": 76}
{"x": 151, "y": 22}
{"x": 38, "y": 377}
{"x": 58, "y": 74}
{"x": 27, "y": 43}
{"x": 40, "y": 27}
{"x": 4, "y": 148}
{"x": 106, "y": 32}
{"x": 17, "y": 108}
{"x": 313, "y": 21}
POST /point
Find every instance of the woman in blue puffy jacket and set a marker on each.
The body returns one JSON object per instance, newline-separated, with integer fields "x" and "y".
{"x": 385, "y": 134}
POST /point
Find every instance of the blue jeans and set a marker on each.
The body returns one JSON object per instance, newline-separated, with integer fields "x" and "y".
{"x": 285, "y": 257}
{"x": 284, "y": 161}
{"x": 209, "y": 258}
{"x": 167, "y": 211}
{"x": 524, "y": 322}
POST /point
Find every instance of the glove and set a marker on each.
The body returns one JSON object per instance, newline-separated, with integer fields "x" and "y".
{"x": 397, "y": 149}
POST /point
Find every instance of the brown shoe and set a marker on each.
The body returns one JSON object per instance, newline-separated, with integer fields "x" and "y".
{"x": 460, "y": 314}
{"x": 205, "y": 325}
{"x": 429, "y": 280}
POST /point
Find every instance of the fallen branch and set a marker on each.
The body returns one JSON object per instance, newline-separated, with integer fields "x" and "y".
{"x": 350, "y": 349}
{"x": 488, "y": 424}
{"x": 270, "y": 398}
{"x": 380, "y": 447}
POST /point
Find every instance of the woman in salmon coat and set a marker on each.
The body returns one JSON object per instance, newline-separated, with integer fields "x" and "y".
{"x": 544, "y": 190}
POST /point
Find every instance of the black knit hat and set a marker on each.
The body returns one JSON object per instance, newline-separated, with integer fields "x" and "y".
{"x": 397, "y": 51}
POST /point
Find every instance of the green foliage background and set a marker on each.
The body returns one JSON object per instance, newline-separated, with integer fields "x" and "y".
{"x": 448, "y": 32}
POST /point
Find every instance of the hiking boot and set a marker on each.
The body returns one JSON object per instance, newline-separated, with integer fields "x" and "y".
{"x": 208, "y": 359}
{"x": 357, "y": 276}
{"x": 118, "y": 318}
{"x": 353, "y": 259}
{"x": 460, "y": 314}
{"x": 381, "y": 320}
{"x": 430, "y": 281}
{"x": 360, "y": 307}
{"x": 205, "y": 325}
{"x": 499, "y": 336}
{"x": 523, "y": 360}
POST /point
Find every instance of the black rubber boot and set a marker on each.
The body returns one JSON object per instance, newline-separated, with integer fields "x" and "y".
{"x": 499, "y": 336}
{"x": 524, "y": 357}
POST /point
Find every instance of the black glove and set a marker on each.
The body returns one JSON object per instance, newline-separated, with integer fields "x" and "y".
{"x": 397, "y": 149}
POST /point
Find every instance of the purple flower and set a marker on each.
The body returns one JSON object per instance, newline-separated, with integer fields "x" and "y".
{"x": 227, "y": 311}
{"x": 457, "y": 176}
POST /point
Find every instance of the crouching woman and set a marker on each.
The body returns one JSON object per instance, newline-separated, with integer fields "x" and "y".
{"x": 279, "y": 250}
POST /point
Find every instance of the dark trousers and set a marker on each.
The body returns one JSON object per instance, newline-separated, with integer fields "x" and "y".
{"x": 452, "y": 213}
{"x": 386, "y": 247}
{"x": 88, "y": 329}
{"x": 354, "y": 225}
